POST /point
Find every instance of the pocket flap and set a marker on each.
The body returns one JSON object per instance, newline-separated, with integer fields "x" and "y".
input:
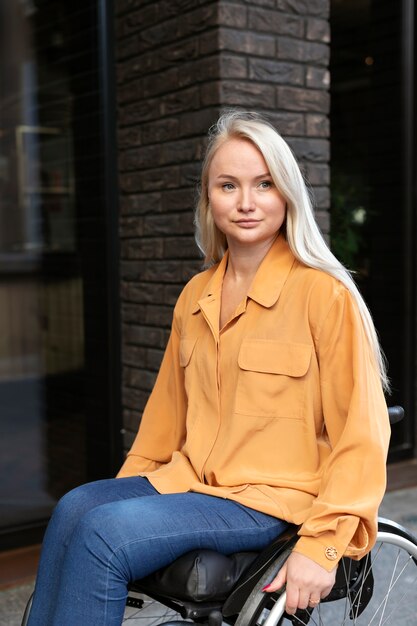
{"x": 275, "y": 357}
{"x": 186, "y": 350}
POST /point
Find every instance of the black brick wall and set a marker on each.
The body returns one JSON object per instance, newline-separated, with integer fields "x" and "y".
{"x": 179, "y": 62}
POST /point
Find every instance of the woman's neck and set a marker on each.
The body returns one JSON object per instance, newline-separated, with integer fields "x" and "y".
{"x": 244, "y": 261}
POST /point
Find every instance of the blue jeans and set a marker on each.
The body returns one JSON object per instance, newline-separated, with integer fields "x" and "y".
{"x": 105, "y": 534}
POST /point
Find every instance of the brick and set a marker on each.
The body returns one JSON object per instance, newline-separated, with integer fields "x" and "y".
{"x": 128, "y": 439}
{"x": 308, "y": 100}
{"x": 135, "y": 21}
{"x": 232, "y": 14}
{"x": 134, "y": 398}
{"x": 288, "y": 123}
{"x": 172, "y": 29}
{"x": 235, "y": 92}
{"x": 132, "y": 270}
{"x": 150, "y": 180}
{"x": 310, "y": 149}
{"x": 317, "y": 173}
{"x": 190, "y": 174}
{"x": 154, "y": 358}
{"x": 323, "y": 220}
{"x": 317, "y": 77}
{"x": 163, "y": 271}
{"x": 245, "y": 42}
{"x": 266, "y": 70}
{"x": 139, "y": 158}
{"x": 305, "y": 7}
{"x": 134, "y": 313}
{"x": 143, "y": 335}
{"x": 322, "y": 197}
{"x": 261, "y": 3}
{"x": 129, "y": 137}
{"x": 199, "y": 71}
{"x": 131, "y": 226}
{"x": 171, "y": 293}
{"x": 140, "y": 204}
{"x": 143, "y": 292}
{"x": 138, "y": 378}
{"x": 177, "y": 7}
{"x": 160, "y": 131}
{"x": 318, "y": 30}
{"x": 139, "y": 112}
{"x": 128, "y": 47}
{"x": 180, "y": 151}
{"x": 317, "y": 125}
{"x": 134, "y": 355}
{"x": 197, "y": 122}
{"x": 177, "y": 53}
{"x": 130, "y": 420}
{"x": 157, "y": 315}
{"x": 208, "y": 42}
{"x": 190, "y": 269}
{"x": 145, "y": 86}
{"x": 178, "y": 200}
{"x": 232, "y": 66}
{"x": 142, "y": 249}
{"x": 275, "y": 22}
{"x": 181, "y": 224}
{"x": 303, "y": 51}
{"x": 180, "y": 101}
{"x": 180, "y": 248}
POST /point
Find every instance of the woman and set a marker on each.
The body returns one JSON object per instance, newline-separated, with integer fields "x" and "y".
{"x": 268, "y": 407}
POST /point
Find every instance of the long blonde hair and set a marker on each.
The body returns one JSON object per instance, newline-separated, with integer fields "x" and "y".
{"x": 301, "y": 230}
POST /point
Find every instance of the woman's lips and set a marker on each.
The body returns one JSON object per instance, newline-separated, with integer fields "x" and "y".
{"x": 247, "y": 223}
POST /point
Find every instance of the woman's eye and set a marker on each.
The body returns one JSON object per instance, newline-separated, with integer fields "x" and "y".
{"x": 265, "y": 184}
{"x": 228, "y": 186}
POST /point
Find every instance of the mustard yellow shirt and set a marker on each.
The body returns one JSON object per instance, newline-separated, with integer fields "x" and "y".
{"x": 282, "y": 410}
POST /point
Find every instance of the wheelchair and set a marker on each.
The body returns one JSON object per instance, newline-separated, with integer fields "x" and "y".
{"x": 205, "y": 587}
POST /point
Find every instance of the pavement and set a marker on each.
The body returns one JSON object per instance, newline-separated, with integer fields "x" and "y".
{"x": 400, "y": 506}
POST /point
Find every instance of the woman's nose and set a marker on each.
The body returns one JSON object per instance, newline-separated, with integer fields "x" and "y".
{"x": 246, "y": 201}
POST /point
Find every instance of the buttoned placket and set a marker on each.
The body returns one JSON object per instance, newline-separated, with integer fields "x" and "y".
{"x": 210, "y": 308}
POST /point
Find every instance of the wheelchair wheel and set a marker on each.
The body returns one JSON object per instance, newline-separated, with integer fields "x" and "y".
{"x": 382, "y": 590}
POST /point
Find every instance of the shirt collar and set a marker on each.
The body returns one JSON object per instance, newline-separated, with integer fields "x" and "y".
{"x": 272, "y": 273}
{"x": 269, "y": 279}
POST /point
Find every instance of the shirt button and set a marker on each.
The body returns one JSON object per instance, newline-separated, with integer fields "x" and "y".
{"x": 331, "y": 553}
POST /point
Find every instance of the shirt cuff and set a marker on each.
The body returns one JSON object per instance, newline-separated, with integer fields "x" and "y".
{"x": 324, "y": 550}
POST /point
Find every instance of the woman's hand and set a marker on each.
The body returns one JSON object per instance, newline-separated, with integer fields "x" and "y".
{"x": 307, "y": 582}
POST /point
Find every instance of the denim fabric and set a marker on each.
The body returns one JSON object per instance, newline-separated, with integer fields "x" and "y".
{"x": 104, "y": 534}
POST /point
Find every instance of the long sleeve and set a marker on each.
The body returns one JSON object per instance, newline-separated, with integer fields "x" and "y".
{"x": 162, "y": 428}
{"x": 343, "y": 517}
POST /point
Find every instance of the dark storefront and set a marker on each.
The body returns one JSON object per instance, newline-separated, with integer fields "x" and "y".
{"x": 373, "y": 181}
{"x": 58, "y": 309}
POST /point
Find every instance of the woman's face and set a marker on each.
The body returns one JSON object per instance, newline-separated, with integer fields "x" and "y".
{"x": 245, "y": 204}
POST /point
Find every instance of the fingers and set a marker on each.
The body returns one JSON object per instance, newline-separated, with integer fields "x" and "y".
{"x": 278, "y": 581}
{"x": 306, "y": 583}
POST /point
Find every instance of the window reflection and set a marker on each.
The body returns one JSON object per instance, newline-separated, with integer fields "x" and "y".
{"x": 42, "y": 344}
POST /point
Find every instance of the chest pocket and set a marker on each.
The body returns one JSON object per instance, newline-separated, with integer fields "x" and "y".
{"x": 186, "y": 350}
{"x": 272, "y": 378}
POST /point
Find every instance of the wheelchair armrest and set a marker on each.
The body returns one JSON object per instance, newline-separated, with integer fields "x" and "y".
{"x": 396, "y": 414}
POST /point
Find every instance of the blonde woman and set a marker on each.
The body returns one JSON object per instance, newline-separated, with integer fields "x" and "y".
{"x": 268, "y": 407}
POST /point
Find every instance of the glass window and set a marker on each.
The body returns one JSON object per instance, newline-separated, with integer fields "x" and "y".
{"x": 368, "y": 186}
{"x": 53, "y": 299}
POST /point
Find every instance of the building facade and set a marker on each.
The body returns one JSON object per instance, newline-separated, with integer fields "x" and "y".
{"x": 104, "y": 113}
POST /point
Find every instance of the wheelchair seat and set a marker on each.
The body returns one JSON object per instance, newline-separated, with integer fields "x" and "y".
{"x": 207, "y": 585}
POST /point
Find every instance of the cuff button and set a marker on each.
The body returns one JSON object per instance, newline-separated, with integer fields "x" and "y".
{"x": 331, "y": 553}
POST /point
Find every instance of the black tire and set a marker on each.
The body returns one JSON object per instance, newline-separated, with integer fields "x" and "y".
{"x": 258, "y": 600}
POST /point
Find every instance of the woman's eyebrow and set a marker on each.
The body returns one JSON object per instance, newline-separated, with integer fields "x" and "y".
{"x": 231, "y": 177}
